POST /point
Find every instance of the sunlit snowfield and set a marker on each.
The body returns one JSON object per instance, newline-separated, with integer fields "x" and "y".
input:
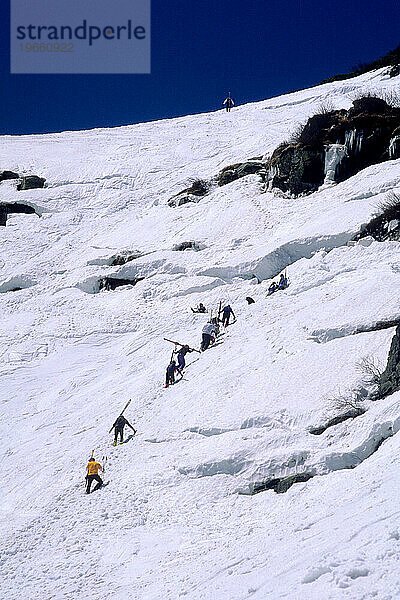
{"x": 177, "y": 519}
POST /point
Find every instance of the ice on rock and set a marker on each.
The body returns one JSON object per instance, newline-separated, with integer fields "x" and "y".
{"x": 334, "y": 154}
{"x": 394, "y": 147}
{"x": 353, "y": 141}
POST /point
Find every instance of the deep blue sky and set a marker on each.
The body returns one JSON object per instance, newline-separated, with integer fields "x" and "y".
{"x": 200, "y": 50}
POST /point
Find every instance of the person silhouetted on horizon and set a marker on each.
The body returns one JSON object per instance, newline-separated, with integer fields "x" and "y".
{"x": 229, "y": 103}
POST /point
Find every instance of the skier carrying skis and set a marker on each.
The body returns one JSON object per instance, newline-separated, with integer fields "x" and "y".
{"x": 214, "y": 321}
{"x": 170, "y": 374}
{"x": 181, "y": 356}
{"x": 93, "y": 469}
{"x": 209, "y": 334}
{"x": 228, "y": 103}
{"x": 226, "y": 315}
{"x": 119, "y": 429}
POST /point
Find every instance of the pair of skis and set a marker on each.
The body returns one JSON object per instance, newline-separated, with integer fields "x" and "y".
{"x": 181, "y": 345}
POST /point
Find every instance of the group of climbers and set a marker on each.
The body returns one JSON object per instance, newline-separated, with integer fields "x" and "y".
{"x": 281, "y": 285}
{"x": 210, "y": 332}
{"x": 177, "y": 368}
{"x": 93, "y": 467}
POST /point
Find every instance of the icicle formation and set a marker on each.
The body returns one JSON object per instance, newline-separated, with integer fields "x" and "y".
{"x": 394, "y": 147}
{"x": 353, "y": 140}
{"x": 334, "y": 154}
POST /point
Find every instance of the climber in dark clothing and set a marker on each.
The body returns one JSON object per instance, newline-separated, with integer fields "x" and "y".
{"x": 119, "y": 428}
{"x": 200, "y": 308}
{"x": 283, "y": 282}
{"x": 272, "y": 288}
{"x": 170, "y": 374}
{"x": 226, "y": 315}
{"x": 181, "y": 356}
{"x": 228, "y": 103}
{"x": 250, "y": 300}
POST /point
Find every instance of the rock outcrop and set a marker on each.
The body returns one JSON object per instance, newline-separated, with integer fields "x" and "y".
{"x": 31, "y": 182}
{"x": 386, "y": 225}
{"x": 121, "y": 259}
{"x": 281, "y": 485}
{"x": 111, "y": 283}
{"x": 15, "y": 207}
{"x": 335, "y": 145}
{"x": 390, "y": 378}
{"x": 296, "y": 169}
{"x": 6, "y": 175}
{"x": 186, "y": 246}
{"x": 201, "y": 187}
{"x": 193, "y": 193}
{"x": 233, "y": 172}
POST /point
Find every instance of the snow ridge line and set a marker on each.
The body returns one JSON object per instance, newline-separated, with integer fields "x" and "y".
{"x": 279, "y": 259}
{"x": 336, "y": 461}
{"x": 322, "y": 336}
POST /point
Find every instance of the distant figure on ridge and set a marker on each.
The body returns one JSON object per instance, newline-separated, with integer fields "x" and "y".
{"x": 226, "y": 315}
{"x": 228, "y": 103}
{"x": 119, "y": 429}
{"x": 93, "y": 469}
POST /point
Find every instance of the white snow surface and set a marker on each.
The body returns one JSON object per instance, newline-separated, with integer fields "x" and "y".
{"x": 177, "y": 518}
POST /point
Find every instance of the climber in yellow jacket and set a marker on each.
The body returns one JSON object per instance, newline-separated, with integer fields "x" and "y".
{"x": 93, "y": 469}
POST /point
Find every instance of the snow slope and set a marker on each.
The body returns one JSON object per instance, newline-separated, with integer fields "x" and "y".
{"x": 178, "y": 519}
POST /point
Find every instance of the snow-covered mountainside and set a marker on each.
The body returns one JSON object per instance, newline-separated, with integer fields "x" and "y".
{"x": 179, "y": 517}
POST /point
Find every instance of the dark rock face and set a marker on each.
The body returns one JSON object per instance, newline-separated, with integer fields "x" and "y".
{"x": 370, "y": 105}
{"x": 351, "y": 414}
{"x": 233, "y": 172}
{"x": 366, "y": 134}
{"x": 6, "y": 209}
{"x": 121, "y": 259}
{"x": 111, "y": 283}
{"x": 31, "y": 182}
{"x": 394, "y": 70}
{"x": 180, "y": 200}
{"x": 297, "y": 169}
{"x": 185, "y": 246}
{"x": 5, "y": 175}
{"x": 390, "y": 378}
{"x": 201, "y": 187}
{"x": 385, "y": 226}
{"x": 198, "y": 189}
{"x": 281, "y": 485}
